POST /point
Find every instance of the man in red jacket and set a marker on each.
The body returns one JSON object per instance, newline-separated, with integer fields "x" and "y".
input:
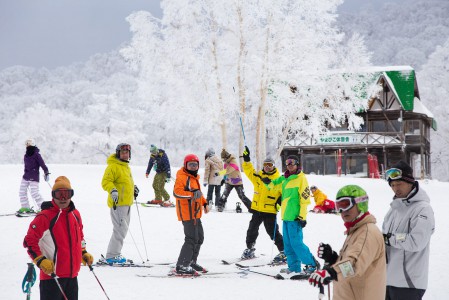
{"x": 55, "y": 242}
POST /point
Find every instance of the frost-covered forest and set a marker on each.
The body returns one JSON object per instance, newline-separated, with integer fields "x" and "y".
{"x": 183, "y": 82}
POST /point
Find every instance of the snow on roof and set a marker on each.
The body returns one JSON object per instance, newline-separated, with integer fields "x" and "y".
{"x": 419, "y": 108}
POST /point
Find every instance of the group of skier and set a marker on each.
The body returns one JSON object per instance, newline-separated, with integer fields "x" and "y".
{"x": 392, "y": 264}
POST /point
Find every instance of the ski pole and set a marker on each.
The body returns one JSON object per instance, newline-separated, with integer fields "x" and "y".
{"x": 29, "y": 280}
{"x": 92, "y": 270}
{"x": 141, "y": 228}
{"x": 243, "y": 131}
{"x": 321, "y": 293}
{"x": 59, "y": 286}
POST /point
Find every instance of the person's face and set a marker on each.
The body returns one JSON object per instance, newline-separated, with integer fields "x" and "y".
{"x": 124, "y": 154}
{"x": 351, "y": 214}
{"x": 292, "y": 168}
{"x": 62, "y": 197}
{"x": 192, "y": 166}
{"x": 401, "y": 188}
{"x": 268, "y": 167}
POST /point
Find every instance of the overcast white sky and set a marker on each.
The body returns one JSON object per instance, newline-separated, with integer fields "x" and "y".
{"x": 52, "y": 33}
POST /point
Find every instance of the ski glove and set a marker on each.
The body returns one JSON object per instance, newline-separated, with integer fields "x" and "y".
{"x": 205, "y": 184}
{"x": 114, "y": 196}
{"x": 246, "y": 154}
{"x": 266, "y": 180}
{"x": 326, "y": 253}
{"x": 136, "y": 191}
{"x": 322, "y": 277}
{"x": 197, "y": 194}
{"x": 222, "y": 182}
{"x": 167, "y": 180}
{"x": 387, "y": 238}
{"x": 47, "y": 266}
{"x": 301, "y": 222}
{"x": 47, "y": 177}
{"x": 87, "y": 258}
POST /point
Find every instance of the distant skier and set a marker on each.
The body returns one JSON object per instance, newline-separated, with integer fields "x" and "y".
{"x": 55, "y": 243}
{"x": 30, "y": 179}
{"x": 159, "y": 160}
{"x": 118, "y": 182}
{"x": 233, "y": 179}
{"x": 264, "y": 206}
{"x": 322, "y": 204}
{"x": 189, "y": 206}
{"x": 212, "y": 179}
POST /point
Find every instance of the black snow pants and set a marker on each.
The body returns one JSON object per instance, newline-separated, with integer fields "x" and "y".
{"x": 270, "y": 223}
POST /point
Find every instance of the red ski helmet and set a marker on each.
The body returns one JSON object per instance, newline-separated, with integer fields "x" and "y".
{"x": 190, "y": 157}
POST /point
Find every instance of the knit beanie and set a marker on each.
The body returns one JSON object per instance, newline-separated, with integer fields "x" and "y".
{"x": 407, "y": 173}
{"x": 62, "y": 182}
{"x": 30, "y": 142}
{"x": 225, "y": 154}
{"x": 210, "y": 152}
{"x": 269, "y": 160}
{"x": 153, "y": 149}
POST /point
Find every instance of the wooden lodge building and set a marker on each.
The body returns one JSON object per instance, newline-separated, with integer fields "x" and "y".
{"x": 396, "y": 127}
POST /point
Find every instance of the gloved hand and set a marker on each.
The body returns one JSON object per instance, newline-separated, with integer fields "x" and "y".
{"x": 136, "y": 191}
{"x": 222, "y": 182}
{"x": 246, "y": 154}
{"x": 167, "y": 180}
{"x": 114, "y": 196}
{"x": 146, "y": 175}
{"x": 205, "y": 184}
{"x": 322, "y": 277}
{"x": 387, "y": 238}
{"x": 301, "y": 222}
{"x": 326, "y": 253}
{"x": 47, "y": 177}
{"x": 197, "y": 194}
{"x": 87, "y": 258}
{"x": 266, "y": 180}
{"x": 47, "y": 266}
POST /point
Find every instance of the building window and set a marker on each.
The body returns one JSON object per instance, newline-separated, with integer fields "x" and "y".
{"x": 412, "y": 127}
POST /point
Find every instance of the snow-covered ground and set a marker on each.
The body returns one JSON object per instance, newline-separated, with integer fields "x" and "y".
{"x": 224, "y": 239}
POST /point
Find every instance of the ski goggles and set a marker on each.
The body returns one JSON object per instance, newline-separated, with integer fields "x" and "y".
{"x": 268, "y": 164}
{"x": 346, "y": 203}
{"x": 125, "y": 148}
{"x": 62, "y": 194}
{"x": 291, "y": 161}
{"x": 393, "y": 174}
{"x": 192, "y": 164}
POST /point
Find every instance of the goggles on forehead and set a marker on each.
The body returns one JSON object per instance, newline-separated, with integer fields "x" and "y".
{"x": 192, "y": 164}
{"x": 346, "y": 203}
{"x": 393, "y": 173}
{"x": 291, "y": 161}
{"x": 61, "y": 194}
{"x": 268, "y": 164}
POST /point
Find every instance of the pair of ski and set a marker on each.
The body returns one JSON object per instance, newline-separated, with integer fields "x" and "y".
{"x": 144, "y": 204}
{"x": 173, "y": 274}
{"x": 129, "y": 264}
{"x": 20, "y": 215}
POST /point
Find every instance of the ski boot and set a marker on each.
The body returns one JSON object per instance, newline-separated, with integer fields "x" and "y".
{"x": 119, "y": 259}
{"x": 279, "y": 259}
{"x": 238, "y": 208}
{"x": 155, "y": 202}
{"x": 167, "y": 203}
{"x": 309, "y": 269}
{"x": 197, "y": 267}
{"x": 249, "y": 253}
{"x": 185, "y": 271}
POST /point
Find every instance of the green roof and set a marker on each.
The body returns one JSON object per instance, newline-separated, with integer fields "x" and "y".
{"x": 404, "y": 86}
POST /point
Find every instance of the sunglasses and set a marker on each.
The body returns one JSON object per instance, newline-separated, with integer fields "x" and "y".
{"x": 346, "y": 203}
{"x": 270, "y": 165}
{"x": 393, "y": 173}
{"x": 62, "y": 194}
{"x": 291, "y": 161}
{"x": 192, "y": 164}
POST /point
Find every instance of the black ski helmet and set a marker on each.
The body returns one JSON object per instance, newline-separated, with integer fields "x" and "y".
{"x": 122, "y": 146}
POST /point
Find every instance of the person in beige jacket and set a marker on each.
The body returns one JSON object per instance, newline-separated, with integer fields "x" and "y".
{"x": 212, "y": 167}
{"x": 359, "y": 271}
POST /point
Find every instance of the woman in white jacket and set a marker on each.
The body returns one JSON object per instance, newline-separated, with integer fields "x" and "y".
{"x": 213, "y": 165}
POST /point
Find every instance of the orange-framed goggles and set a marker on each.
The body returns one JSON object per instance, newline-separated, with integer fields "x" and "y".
{"x": 62, "y": 194}
{"x": 268, "y": 164}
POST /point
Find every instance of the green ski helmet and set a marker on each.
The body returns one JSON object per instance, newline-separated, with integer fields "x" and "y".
{"x": 357, "y": 194}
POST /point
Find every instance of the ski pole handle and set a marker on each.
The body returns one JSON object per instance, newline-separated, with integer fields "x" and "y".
{"x": 30, "y": 272}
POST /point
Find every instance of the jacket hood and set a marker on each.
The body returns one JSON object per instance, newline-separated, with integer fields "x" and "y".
{"x": 415, "y": 195}
{"x": 31, "y": 150}
{"x": 112, "y": 159}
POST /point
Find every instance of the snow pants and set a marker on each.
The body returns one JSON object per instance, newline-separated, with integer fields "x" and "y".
{"x": 194, "y": 237}
{"x": 210, "y": 191}
{"x": 159, "y": 186}
{"x": 396, "y": 293}
{"x": 49, "y": 290}
{"x": 271, "y": 226}
{"x": 34, "y": 191}
{"x": 295, "y": 249}
{"x": 240, "y": 192}
{"x": 120, "y": 222}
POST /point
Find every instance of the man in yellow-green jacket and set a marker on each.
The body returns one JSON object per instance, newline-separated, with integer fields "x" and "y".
{"x": 119, "y": 183}
{"x": 263, "y": 207}
{"x": 295, "y": 199}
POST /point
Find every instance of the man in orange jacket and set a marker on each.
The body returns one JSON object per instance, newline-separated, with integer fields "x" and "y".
{"x": 189, "y": 205}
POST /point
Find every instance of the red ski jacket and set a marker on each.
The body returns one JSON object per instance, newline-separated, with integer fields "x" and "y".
{"x": 57, "y": 234}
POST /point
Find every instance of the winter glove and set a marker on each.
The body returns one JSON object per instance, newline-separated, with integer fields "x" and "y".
{"x": 246, "y": 154}
{"x": 222, "y": 182}
{"x": 326, "y": 253}
{"x": 136, "y": 191}
{"x": 47, "y": 266}
{"x": 114, "y": 196}
{"x": 47, "y": 177}
{"x": 387, "y": 238}
{"x": 266, "y": 180}
{"x": 87, "y": 258}
{"x": 167, "y": 180}
{"x": 301, "y": 222}
{"x": 322, "y": 277}
{"x": 197, "y": 194}
{"x": 205, "y": 184}
{"x": 146, "y": 175}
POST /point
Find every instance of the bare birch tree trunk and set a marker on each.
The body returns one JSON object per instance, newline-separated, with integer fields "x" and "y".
{"x": 240, "y": 79}
{"x": 222, "y": 121}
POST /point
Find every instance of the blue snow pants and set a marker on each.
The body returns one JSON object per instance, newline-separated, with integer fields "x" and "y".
{"x": 295, "y": 249}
